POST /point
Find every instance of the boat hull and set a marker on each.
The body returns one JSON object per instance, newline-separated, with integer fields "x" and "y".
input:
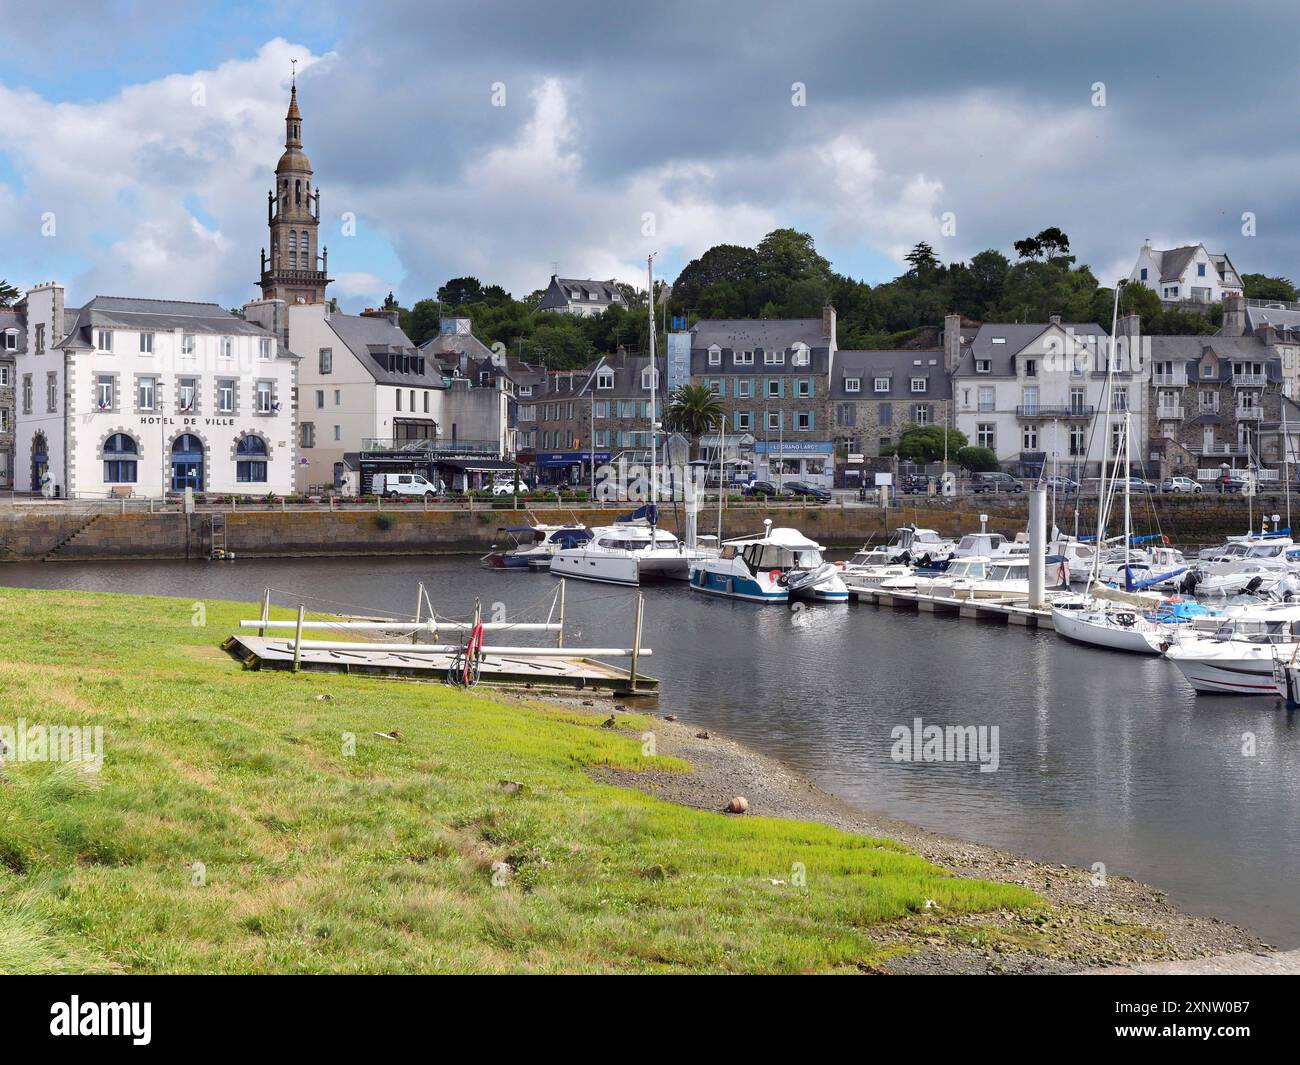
{"x": 1227, "y": 677}
{"x": 1074, "y": 625}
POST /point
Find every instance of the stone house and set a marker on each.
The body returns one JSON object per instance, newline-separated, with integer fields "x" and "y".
{"x": 875, "y": 395}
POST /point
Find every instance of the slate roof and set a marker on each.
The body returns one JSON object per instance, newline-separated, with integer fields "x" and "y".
{"x": 1281, "y": 319}
{"x": 13, "y": 318}
{"x": 1189, "y": 349}
{"x": 1017, "y": 336}
{"x": 560, "y": 293}
{"x": 1173, "y": 263}
{"x": 899, "y": 365}
{"x": 759, "y": 335}
{"x": 372, "y": 339}
{"x": 159, "y": 316}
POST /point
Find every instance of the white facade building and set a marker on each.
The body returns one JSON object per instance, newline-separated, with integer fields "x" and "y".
{"x": 124, "y": 397}
{"x": 363, "y": 386}
{"x": 1034, "y": 393}
{"x": 581, "y": 296}
{"x": 1190, "y": 274}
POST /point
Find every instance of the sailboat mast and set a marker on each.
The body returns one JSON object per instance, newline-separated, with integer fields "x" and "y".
{"x": 1105, "y": 441}
{"x": 1128, "y": 489}
{"x": 1286, "y": 454}
{"x": 654, "y": 382}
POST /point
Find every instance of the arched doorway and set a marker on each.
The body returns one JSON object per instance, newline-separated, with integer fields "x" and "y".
{"x": 187, "y": 463}
{"x": 40, "y": 460}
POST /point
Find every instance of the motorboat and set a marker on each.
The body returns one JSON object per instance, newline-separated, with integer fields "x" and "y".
{"x": 868, "y": 577}
{"x": 629, "y": 551}
{"x": 1155, "y": 567}
{"x": 1238, "y": 658}
{"x": 535, "y": 545}
{"x": 920, "y": 546}
{"x": 1259, "y": 576}
{"x": 780, "y": 565}
{"x": 986, "y": 544}
{"x": 1004, "y": 577}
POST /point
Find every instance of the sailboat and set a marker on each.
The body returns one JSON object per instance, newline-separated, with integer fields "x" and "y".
{"x": 634, "y": 547}
{"x": 1105, "y": 617}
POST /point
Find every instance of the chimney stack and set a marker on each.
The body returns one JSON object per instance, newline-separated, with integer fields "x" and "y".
{"x": 951, "y": 341}
{"x": 1234, "y": 316}
{"x": 828, "y": 322}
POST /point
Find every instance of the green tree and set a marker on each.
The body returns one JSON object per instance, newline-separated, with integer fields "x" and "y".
{"x": 693, "y": 410}
{"x": 922, "y": 258}
{"x": 461, "y": 290}
{"x": 423, "y": 322}
{"x": 721, "y": 265}
{"x": 977, "y": 459}
{"x": 8, "y": 293}
{"x": 923, "y": 444}
{"x": 1263, "y": 287}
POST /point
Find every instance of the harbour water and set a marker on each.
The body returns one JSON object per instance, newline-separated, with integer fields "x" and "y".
{"x": 1102, "y": 757}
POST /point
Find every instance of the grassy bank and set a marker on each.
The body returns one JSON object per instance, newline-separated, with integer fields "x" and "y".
{"x": 317, "y": 859}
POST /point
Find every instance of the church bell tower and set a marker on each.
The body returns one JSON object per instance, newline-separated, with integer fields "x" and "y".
{"x": 295, "y": 271}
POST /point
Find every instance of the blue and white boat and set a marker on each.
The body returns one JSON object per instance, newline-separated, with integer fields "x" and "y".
{"x": 776, "y": 567}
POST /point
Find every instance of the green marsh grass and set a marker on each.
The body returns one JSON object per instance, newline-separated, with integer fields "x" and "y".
{"x": 229, "y": 831}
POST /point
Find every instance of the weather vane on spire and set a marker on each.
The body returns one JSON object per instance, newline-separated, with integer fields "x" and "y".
{"x": 293, "y": 76}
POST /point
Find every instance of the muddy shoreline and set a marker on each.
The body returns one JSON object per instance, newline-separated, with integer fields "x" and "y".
{"x": 1114, "y": 922}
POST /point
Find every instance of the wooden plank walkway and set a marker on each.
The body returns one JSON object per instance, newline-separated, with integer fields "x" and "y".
{"x": 496, "y": 670}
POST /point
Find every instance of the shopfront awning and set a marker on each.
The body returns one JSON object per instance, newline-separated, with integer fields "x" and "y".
{"x": 477, "y": 465}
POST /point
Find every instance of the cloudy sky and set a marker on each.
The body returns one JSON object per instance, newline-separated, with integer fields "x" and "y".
{"x": 137, "y": 141}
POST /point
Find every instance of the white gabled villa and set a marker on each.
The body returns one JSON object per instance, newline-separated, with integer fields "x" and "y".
{"x": 1190, "y": 274}
{"x": 126, "y": 397}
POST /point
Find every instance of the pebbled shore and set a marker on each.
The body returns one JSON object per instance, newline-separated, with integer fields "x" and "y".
{"x": 1121, "y": 924}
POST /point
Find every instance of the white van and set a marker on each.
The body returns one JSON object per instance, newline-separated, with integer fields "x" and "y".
{"x": 393, "y": 485}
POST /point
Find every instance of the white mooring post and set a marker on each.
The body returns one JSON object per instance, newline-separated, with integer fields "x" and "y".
{"x": 297, "y": 640}
{"x": 559, "y": 636}
{"x": 1037, "y": 545}
{"x": 636, "y": 639}
{"x": 266, "y": 610}
{"x": 419, "y": 607}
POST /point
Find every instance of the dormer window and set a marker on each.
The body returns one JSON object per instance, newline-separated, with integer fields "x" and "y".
{"x": 648, "y": 379}
{"x": 984, "y": 365}
{"x": 799, "y": 357}
{"x": 605, "y": 379}
{"x": 742, "y": 358}
{"x": 11, "y": 340}
{"x": 919, "y": 384}
{"x": 853, "y": 384}
{"x": 774, "y": 358}
{"x": 881, "y": 384}
{"x": 715, "y": 355}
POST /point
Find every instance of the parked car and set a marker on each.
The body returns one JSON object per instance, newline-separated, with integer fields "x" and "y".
{"x": 994, "y": 482}
{"x": 505, "y": 486}
{"x": 803, "y": 488}
{"x": 1137, "y": 484}
{"x": 393, "y": 485}
{"x": 1181, "y": 484}
{"x": 1058, "y": 482}
{"x": 914, "y": 484}
{"x": 1233, "y": 482}
{"x": 759, "y": 489}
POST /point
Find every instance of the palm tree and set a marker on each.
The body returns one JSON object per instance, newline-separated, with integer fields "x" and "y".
{"x": 693, "y": 410}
